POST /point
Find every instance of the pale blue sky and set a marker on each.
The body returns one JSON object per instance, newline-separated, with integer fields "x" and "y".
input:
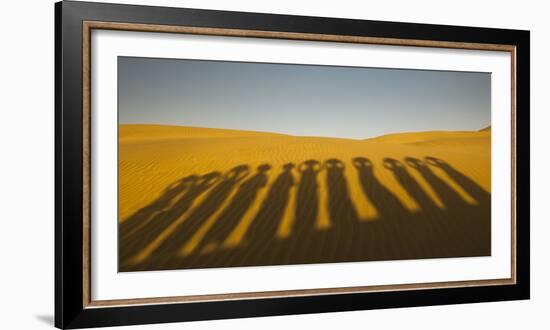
{"x": 307, "y": 100}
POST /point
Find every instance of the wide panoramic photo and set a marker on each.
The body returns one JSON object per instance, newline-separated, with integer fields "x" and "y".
{"x": 231, "y": 164}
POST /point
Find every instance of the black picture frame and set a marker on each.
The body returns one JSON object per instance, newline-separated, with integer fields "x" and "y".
{"x": 70, "y": 309}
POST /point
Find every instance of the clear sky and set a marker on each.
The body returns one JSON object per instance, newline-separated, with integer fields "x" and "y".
{"x": 308, "y": 100}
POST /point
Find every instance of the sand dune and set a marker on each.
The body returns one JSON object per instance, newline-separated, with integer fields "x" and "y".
{"x": 432, "y": 136}
{"x": 143, "y": 133}
{"x": 198, "y": 197}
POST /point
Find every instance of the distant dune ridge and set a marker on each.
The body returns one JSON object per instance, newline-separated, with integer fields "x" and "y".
{"x": 193, "y": 197}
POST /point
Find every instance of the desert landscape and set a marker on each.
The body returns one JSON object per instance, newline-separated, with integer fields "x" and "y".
{"x": 192, "y": 197}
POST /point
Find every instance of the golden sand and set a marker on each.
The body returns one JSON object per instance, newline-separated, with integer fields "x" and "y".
{"x": 159, "y": 165}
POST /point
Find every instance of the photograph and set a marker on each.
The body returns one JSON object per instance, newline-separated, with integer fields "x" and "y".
{"x": 234, "y": 164}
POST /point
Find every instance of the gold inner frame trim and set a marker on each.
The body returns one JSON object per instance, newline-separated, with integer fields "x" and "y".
{"x": 88, "y": 26}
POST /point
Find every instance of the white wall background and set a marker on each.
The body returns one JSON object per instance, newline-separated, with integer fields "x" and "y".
{"x": 27, "y": 169}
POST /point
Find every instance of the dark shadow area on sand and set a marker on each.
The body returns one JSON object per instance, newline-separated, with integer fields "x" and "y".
{"x": 458, "y": 229}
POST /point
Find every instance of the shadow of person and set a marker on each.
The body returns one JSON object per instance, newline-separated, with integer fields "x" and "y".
{"x": 469, "y": 185}
{"x": 475, "y": 219}
{"x": 265, "y": 224}
{"x": 184, "y": 231}
{"x": 448, "y": 196}
{"x": 385, "y": 202}
{"x": 393, "y": 218}
{"x": 302, "y": 233}
{"x": 145, "y": 214}
{"x": 412, "y": 187}
{"x": 465, "y": 227}
{"x": 343, "y": 215}
{"x": 429, "y": 229}
{"x": 341, "y": 208}
{"x": 307, "y": 197}
{"x": 233, "y": 213}
{"x": 135, "y": 239}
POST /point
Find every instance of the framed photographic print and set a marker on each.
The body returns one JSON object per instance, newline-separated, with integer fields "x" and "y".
{"x": 215, "y": 164}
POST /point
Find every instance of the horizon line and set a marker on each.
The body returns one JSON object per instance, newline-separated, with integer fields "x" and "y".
{"x": 485, "y": 128}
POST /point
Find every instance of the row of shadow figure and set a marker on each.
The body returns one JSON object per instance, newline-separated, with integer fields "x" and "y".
{"x": 238, "y": 219}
